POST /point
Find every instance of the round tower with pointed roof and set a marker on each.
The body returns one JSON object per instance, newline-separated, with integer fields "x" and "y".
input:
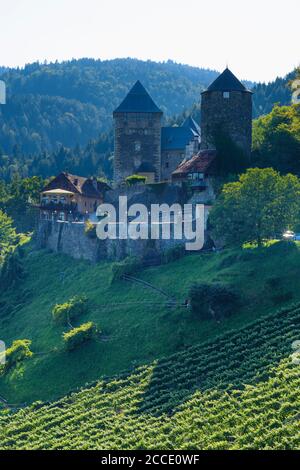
{"x": 226, "y": 107}
{"x": 137, "y": 135}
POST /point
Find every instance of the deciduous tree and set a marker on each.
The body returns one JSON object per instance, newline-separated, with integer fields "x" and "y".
{"x": 259, "y": 206}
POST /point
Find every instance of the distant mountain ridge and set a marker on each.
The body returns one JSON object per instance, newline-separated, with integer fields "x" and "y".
{"x": 267, "y": 94}
{"x": 71, "y": 103}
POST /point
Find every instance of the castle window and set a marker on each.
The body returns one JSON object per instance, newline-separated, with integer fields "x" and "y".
{"x": 196, "y": 176}
{"x": 137, "y": 146}
{"x": 226, "y": 94}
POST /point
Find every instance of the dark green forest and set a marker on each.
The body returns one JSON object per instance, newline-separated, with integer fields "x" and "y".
{"x": 266, "y": 95}
{"x": 72, "y": 102}
{"x": 58, "y": 116}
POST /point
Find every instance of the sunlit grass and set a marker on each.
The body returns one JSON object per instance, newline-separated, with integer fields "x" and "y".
{"x": 137, "y": 324}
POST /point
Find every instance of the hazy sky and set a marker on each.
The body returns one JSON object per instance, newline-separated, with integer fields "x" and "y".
{"x": 259, "y": 39}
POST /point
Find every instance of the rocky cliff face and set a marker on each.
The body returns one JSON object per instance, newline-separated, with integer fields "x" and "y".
{"x": 69, "y": 238}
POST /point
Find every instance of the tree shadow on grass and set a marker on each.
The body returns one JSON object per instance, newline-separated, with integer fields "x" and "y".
{"x": 230, "y": 362}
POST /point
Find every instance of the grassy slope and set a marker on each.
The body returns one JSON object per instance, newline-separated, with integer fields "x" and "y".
{"x": 135, "y": 332}
{"x": 238, "y": 392}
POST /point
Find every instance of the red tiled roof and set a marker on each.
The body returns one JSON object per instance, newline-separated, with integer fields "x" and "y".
{"x": 202, "y": 163}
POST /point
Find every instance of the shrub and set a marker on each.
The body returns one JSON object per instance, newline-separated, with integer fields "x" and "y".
{"x": 135, "y": 179}
{"x": 8, "y": 236}
{"x": 19, "y": 350}
{"x": 90, "y": 229}
{"x": 213, "y": 301}
{"x": 77, "y": 336}
{"x": 63, "y": 313}
{"x": 128, "y": 266}
{"x": 151, "y": 257}
{"x": 172, "y": 254}
{"x": 12, "y": 271}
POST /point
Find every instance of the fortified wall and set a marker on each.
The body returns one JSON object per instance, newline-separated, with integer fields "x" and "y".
{"x": 71, "y": 239}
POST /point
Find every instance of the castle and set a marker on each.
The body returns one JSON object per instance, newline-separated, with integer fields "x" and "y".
{"x": 144, "y": 147}
{"x": 184, "y": 157}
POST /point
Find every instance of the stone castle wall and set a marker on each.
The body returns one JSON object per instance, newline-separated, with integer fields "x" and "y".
{"x": 170, "y": 159}
{"x": 232, "y": 115}
{"x": 137, "y": 140}
{"x": 71, "y": 239}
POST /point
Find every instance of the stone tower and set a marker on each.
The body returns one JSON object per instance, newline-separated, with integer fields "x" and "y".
{"x": 137, "y": 124}
{"x": 227, "y": 107}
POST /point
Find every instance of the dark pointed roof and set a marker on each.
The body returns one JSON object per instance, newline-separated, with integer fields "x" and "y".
{"x": 138, "y": 100}
{"x": 227, "y": 82}
{"x": 191, "y": 124}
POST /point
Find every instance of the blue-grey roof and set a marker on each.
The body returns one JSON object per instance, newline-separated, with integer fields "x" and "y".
{"x": 176, "y": 138}
{"x": 191, "y": 124}
{"x": 227, "y": 82}
{"x": 138, "y": 100}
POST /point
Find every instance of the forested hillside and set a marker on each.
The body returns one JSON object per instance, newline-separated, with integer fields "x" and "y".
{"x": 70, "y": 103}
{"x": 59, "y": 116}
{"x": 222, "y": 380}
{"x": 266, "y": 95}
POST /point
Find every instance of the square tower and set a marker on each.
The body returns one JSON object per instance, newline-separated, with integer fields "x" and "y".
{"x": 137, "y": 123}
{"x": 226, "y": 107}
